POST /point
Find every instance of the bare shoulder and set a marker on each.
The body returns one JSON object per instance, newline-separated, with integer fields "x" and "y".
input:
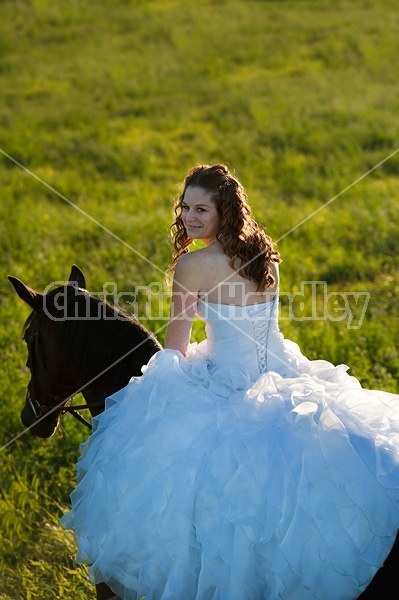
{"x": 199, "y": 257}
{"x": 188, "y": 261}
{"x": 212, "y": 254}
{"x": 200, "y": 269}
{"x": 188, "y": 273}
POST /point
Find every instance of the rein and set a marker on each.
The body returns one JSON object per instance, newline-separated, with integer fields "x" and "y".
{"x": 72, "y": 410}
{"x": 40, "y": 410}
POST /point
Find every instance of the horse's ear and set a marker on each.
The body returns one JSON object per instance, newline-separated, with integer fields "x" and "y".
{"x": 31, "y": 297}
{"x": 77, "y": 277}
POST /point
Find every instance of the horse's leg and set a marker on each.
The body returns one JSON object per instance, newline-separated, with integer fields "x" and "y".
{"x": 104, "y": 593}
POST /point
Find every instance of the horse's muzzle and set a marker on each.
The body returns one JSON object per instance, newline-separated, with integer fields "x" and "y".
{"x": 44, "y": 427}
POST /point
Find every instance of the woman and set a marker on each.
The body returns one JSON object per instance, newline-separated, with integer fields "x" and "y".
{"x": 236, "y": 469}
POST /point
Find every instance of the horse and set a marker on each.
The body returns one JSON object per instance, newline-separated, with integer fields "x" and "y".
{"x": 78, "y": 343}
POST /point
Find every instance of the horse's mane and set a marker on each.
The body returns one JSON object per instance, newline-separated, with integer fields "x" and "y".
{"x": 95, "y": 333}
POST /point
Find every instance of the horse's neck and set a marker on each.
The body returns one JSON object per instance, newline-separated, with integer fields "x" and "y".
{"x": 97, "y": 382}
{"x": 102, "y": 359}
{"x": 99, "y": 376}
{"x": 95, "y": 400}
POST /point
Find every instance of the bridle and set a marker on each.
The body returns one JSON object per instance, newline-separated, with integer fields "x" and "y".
{"x": 66, "y": 392}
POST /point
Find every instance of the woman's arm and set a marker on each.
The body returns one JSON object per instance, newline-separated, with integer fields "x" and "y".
{"x": 184, "y": 303}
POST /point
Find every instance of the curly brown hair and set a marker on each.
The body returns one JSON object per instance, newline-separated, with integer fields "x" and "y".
{"x": 247, "y": 245}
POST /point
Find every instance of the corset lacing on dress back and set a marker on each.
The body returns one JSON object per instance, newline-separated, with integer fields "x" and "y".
{"x": 239, "y": 334}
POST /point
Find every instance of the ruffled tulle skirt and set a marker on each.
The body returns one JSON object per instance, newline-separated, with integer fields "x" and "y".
{"x": 199, "y": 484}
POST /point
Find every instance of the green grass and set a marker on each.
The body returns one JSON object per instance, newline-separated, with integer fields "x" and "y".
{"x": 110, "y": 104}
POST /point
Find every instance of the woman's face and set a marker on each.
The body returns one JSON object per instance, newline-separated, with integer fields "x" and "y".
{"x": 199, "y": 215}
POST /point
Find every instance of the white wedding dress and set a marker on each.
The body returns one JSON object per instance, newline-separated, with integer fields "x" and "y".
{"x": 242, "y": 472}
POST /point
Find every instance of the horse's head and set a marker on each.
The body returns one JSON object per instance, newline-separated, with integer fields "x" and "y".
{"x": 46, "y": 394}
{"x": 77, "y": 343}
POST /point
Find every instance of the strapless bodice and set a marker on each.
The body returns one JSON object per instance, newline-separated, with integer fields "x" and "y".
{"x": 247, "y": 337}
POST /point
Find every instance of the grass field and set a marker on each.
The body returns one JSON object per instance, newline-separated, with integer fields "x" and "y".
{"x": 104, "y": 108}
